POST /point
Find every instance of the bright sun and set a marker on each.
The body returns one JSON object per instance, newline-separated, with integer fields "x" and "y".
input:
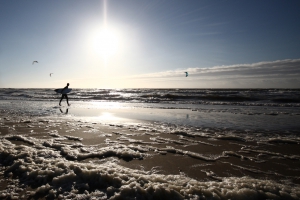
{"x": 106, "y": 42}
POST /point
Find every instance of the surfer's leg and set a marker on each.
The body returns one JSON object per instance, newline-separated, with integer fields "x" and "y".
{"x": 67, "y": 100}
{"x": 60, "y": 99}
{"x": 62, "y": 96}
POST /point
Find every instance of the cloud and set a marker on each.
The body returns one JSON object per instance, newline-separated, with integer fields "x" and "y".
{"x": 280, "y": 73}
{"x": 281, "y": 68}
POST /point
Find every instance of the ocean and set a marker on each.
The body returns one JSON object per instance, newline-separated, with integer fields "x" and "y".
{"x": 150, "y": 144}
{"x": 238, "y": 109}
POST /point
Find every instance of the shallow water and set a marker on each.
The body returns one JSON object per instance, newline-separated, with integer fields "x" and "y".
{"x": 119, "y": 150}
{"x": 251, "y": 118}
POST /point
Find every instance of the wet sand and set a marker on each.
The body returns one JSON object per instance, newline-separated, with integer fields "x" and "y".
{"x": 153, "y": 148}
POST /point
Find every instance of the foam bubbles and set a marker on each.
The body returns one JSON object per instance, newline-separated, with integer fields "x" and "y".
{"x": 55, "y": 171}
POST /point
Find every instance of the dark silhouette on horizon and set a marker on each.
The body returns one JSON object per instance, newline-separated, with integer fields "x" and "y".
{"x": 64, "y": 95}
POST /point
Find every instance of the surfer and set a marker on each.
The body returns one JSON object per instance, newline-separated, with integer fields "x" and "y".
{"x": 64, "y": 95}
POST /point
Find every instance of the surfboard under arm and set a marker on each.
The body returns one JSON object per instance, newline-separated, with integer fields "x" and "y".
{"x": 64, "y": 92}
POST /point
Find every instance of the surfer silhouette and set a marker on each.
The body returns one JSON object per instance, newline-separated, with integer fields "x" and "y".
{"x": 64, "y": 95}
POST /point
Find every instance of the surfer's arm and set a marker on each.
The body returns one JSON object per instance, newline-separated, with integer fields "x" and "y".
{"x": 64, "y": 89}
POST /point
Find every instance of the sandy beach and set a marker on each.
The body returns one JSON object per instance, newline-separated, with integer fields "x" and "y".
{"x": 69, "y": 157}
{"x": 149, "y": 100}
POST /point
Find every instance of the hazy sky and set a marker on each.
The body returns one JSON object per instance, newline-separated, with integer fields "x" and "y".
{"x": 150, "y": 43}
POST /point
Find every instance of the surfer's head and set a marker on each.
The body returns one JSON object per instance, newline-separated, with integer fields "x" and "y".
{"x": 68, "y": 84}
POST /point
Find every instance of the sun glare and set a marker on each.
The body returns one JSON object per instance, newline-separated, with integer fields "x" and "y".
{"x": 106, "y": 42}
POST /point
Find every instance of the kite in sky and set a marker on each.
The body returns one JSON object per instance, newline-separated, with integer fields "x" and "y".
{"x": 50, "y": 74}
{"x": 186, "y": 74}
{"x": 35, "y": 62}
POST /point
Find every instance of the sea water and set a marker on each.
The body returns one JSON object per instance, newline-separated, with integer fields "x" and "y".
{"x": 267, "y": 109}
{"x": 268, "y": 116}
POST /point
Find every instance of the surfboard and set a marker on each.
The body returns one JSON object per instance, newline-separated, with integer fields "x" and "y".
{"x": 65, "y": 91}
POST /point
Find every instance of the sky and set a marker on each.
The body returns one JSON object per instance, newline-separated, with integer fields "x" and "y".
{"x": 150, "y": 43}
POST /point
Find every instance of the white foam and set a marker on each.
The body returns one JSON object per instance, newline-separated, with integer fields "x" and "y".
{"x": 57, "y": 177}
{"x": 278, "y": 155}
{"x": 58, "y": 168}
{"x": 28, "y": 140}
{"x": 73, "y": 138}
{"x": 196, "y": 141}
{"x": 284, "y": 140}
{"x": 230, "y": 137}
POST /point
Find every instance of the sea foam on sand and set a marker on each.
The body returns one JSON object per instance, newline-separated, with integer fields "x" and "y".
{"x": 63, "y": 158}
{"x": 37, "y": 162}
{"x": 45, "y": 167}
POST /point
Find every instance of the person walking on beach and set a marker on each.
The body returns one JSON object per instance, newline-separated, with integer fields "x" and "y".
{"x": 64, "y": 95}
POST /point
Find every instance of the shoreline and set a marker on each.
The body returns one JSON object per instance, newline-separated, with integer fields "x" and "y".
{"x": 234, "y": 117}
